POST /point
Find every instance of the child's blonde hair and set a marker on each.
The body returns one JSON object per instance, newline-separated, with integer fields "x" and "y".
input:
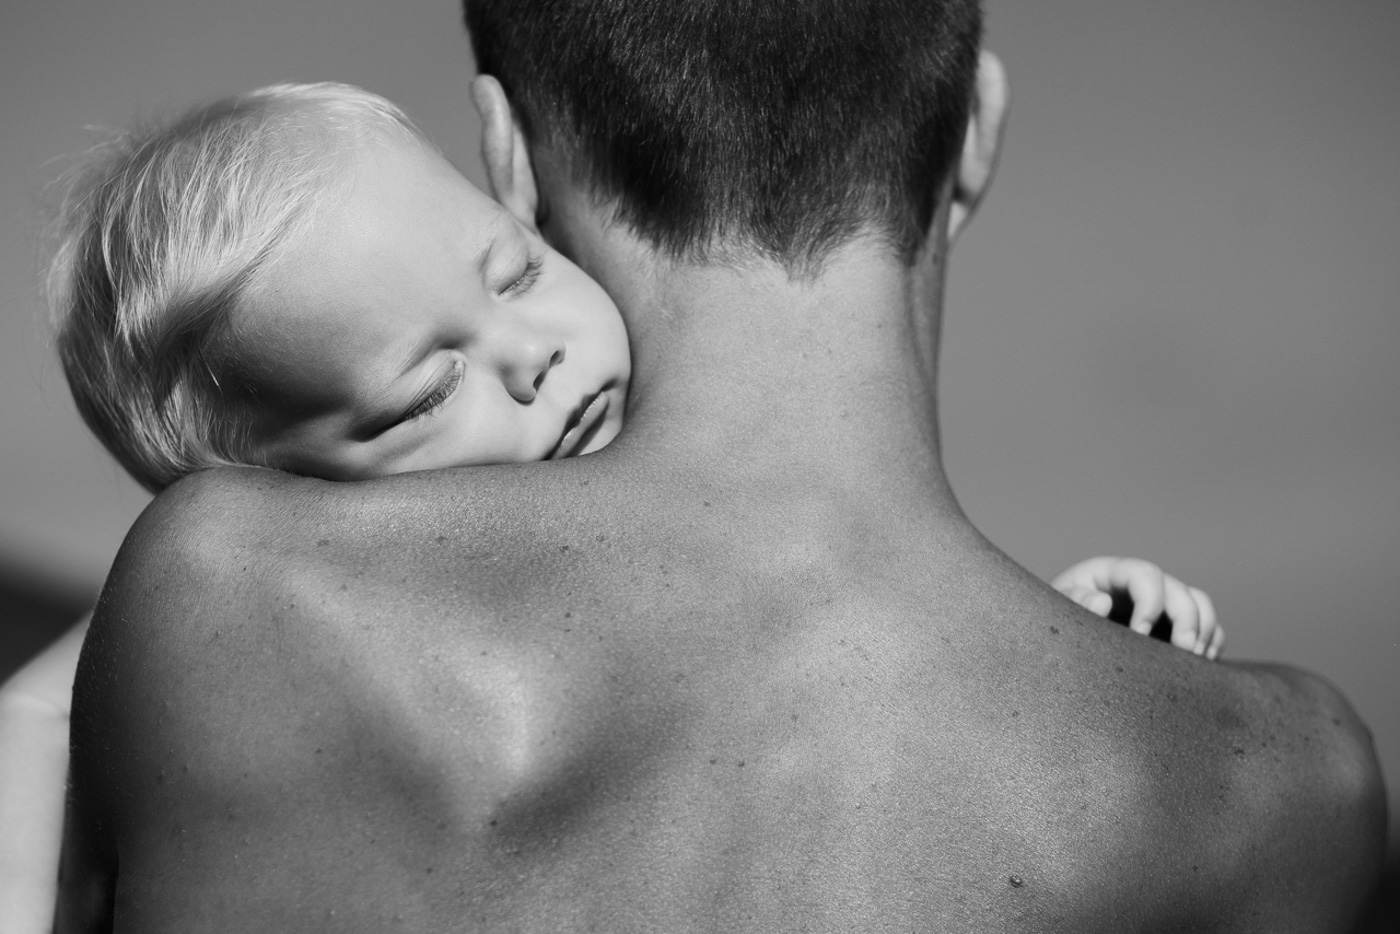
{"x": 162, "y": 231}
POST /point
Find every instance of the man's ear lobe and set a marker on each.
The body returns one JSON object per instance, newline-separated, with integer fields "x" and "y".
{"x": 506, "y": 152}
{"x": 982, "y": 146}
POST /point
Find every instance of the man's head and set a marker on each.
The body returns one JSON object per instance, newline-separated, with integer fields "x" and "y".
{"x": 721, "y": 126}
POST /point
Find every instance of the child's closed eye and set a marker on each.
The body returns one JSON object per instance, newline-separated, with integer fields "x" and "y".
{"x": 441, "y": 392}
{"x": 527, "y": 278}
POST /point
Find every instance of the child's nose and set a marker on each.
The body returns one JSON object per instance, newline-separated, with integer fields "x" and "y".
{"x": 525, "y": 358}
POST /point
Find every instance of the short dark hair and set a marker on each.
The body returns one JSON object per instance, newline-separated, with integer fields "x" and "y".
{"x": 785, "y": 126}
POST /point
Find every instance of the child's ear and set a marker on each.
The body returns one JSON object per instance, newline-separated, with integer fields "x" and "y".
{"x": 982, "y": 145}
{"x": 506, "y": 152}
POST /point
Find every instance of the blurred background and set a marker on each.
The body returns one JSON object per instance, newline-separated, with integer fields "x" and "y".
{"x": 1172, "y": 332}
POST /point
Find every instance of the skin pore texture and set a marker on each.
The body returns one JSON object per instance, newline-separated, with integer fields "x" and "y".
{"x": 417, "y": 324}
{"x": 749, "y": 668}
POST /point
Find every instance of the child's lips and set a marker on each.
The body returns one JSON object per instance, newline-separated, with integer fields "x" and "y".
{"x": 580, "y": 425}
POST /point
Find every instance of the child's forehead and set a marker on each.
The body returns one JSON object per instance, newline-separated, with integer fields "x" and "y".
{"x": 405, "y": 230}
{"x": 411, "y": 177}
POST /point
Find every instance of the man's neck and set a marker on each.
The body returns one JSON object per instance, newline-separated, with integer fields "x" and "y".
{"x": 746, "y": 367}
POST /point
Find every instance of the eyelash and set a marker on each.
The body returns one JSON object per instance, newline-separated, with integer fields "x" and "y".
{"x": 528, "y": 278}
{"x": 440, "y": 394}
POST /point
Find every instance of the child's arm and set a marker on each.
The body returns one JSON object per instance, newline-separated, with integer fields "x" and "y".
{"x": 1093, "y": 584}
{"x": 34, "y": 710}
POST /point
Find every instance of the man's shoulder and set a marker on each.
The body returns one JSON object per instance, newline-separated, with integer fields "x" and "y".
{"x": 1206, "y": 790}
{"x": 297, "y": 666}
{"x": 212, "y": 545}
{"x": 1246, "y": 785}
{"x": 1246, "y": 734}
{"x": 249, "y": 537}
{"x": 1294, "y": 818}
{"x": 1311, "y": 763}
{"x": 183, "y": 611}
{"x": 248, "y": 608}
{"x": 1290, "y": 728}
{"x": 232, "y": 596}
{"x": 196, "y": 533}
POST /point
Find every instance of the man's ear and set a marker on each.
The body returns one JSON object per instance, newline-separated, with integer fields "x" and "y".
{"x": 506, "y": 152}
{"x": 982, "y": 146}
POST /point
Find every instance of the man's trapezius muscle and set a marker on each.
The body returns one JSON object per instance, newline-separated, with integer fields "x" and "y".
{"x": 748, "y": 669}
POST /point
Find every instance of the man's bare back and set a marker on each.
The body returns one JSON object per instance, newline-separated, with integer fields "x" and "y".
{"x": 739, "y": 716}
{"x": 748, "y": 669}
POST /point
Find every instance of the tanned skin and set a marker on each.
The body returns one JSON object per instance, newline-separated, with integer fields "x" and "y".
{"x": 748, "y": 669}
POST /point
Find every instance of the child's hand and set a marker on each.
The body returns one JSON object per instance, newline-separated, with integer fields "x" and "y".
{"x": 1094, "y": 585}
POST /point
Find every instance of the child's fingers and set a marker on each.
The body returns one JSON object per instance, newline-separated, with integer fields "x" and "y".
{"x": 1185, "y": 615}
{"x": 1093, "y": 583}
{"x": 1217, "y": 644}
{"x": 1095, "y": 601}
{"x": 1140, "y": 580}
{"x": 1145, "y": 583}
{"x": 1217, "y": 638}
{"x": 1085, "y": 574}
{"x": 1209, "y": 625}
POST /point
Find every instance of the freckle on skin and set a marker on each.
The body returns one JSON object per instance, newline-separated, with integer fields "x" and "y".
{"x": 1054, "y": 630}
{"x": 1016, "y": 882}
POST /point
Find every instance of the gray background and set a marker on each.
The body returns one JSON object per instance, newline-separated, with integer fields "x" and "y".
{"x": 1171, "y": 334}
